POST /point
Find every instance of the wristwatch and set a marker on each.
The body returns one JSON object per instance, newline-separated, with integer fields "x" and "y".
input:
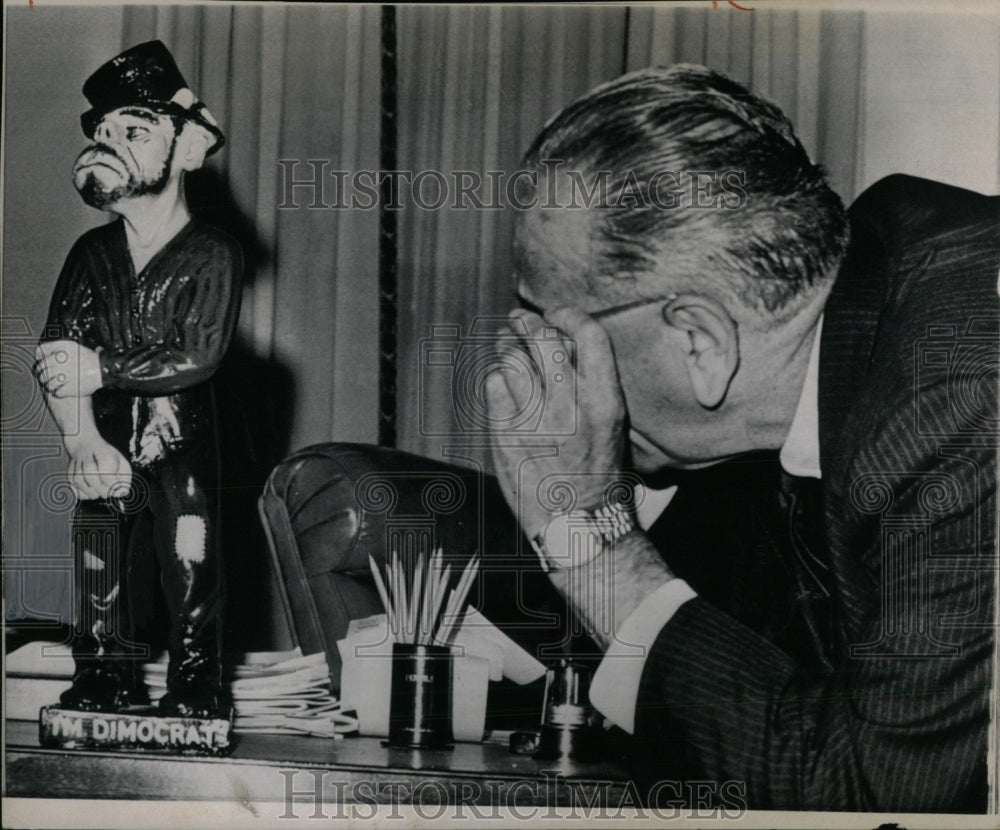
{"x": 574, "y": 538}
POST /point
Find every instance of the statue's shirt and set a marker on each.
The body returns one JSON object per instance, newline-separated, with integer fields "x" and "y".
{"x": 161, "y": 333}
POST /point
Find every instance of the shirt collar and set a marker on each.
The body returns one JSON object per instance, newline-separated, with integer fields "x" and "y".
{"x": 799, "y": 455}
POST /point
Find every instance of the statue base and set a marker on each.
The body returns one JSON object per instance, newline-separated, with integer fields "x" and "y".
{"x": 138, "y": 728}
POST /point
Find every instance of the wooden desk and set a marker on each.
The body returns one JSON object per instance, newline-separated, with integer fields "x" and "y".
{"x": 321, "y": 773}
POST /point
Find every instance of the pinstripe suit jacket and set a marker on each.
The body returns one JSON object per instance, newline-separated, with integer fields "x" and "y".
{"x": 908, "y": 420}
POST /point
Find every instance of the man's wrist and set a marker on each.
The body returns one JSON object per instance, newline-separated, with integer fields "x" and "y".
{"x": 573, "y": 538}
{"x": 606, "y": 590}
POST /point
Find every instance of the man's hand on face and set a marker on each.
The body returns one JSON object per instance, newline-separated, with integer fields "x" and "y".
{"x": 97, "y": 470}
{"x": 580, "y": 438}
{"x": 68, "y": 370}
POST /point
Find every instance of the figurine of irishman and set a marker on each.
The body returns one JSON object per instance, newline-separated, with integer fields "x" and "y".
{"x": 141, "y": 316}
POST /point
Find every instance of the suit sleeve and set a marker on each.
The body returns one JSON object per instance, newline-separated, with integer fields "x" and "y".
{"x": 200, "y": 314}
{"x": 902, "y": 722}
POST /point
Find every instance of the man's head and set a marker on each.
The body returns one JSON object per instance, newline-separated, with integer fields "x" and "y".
{"x": 713, "y": 212}
{"x": 147, "y": 128}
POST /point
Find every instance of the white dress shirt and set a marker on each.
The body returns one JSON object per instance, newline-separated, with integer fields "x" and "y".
{"x": 615, "y": 687}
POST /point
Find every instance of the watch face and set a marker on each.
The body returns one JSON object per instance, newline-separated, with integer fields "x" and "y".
{"x": 571, "y": 540}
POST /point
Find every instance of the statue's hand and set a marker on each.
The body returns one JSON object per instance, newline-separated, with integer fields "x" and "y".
{"x": 97, "y": 470}
{"x": 66, "y": 369}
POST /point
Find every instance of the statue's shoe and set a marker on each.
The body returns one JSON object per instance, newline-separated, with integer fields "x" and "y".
{"x": 97, "y": 689}
{"x": 193, "y": 691}
{"x": 191, "y": 703}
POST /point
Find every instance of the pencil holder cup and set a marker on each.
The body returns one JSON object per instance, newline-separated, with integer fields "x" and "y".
{"x": 420, "y": 696}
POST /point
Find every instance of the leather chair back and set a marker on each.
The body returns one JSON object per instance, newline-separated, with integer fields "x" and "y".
{"x": 328, "y": 507}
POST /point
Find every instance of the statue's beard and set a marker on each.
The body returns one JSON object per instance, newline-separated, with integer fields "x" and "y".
{"x": 97, "y": 193}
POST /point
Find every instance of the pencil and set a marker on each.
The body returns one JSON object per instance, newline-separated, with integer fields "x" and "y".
{"x": 456, "y": 601}
{"x": 380, "y": 585}
{"x": 415, "y": 608}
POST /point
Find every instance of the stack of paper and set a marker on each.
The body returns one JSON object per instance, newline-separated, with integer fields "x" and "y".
{"x": 276, "y": 692}
{"x": 281, "y": 692}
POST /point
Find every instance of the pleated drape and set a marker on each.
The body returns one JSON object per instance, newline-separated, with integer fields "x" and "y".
{"x": 291, "y": 85}
{"x": 808, "y": 62}
{"x": 475, "y": 84}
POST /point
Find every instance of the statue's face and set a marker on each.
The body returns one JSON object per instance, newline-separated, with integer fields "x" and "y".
{"x": 131, "y": 156}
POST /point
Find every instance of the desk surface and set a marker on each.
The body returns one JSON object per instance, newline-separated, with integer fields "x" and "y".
{"x": 268, "y": 767}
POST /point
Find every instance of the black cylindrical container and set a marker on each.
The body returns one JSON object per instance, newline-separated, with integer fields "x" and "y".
{"x": 420, "y": 701}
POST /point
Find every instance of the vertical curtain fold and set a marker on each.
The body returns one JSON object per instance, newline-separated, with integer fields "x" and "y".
{"x": 295, "y": 85}
{"x": 475, "y": 85}
{"x": 807, "y": 62}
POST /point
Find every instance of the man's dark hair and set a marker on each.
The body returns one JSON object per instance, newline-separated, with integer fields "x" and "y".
{"x": 779, "y": 229}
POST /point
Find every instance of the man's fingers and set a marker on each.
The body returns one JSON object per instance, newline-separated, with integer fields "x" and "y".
{"x": 525, "y": 324}
{"x": 500, "y": 403}
{"x": 519, "y": 373}
{"x": 594, "y": 355}
{"x": 569, "y": 319}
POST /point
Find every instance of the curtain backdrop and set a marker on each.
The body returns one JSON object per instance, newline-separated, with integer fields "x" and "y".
{"x": 292, "y": 84}
{"x": 475, "y": 86}
{"x": 807, "y": 62}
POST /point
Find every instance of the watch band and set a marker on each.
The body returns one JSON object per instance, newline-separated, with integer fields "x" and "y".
{"x": 605, "y": 524}
{"x": 613, "y": 521}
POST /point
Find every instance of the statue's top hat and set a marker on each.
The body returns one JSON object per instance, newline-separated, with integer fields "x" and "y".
{"x": 145, "y": 76}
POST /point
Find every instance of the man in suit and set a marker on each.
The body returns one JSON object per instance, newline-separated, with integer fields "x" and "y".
{"x": 719, "y": 303}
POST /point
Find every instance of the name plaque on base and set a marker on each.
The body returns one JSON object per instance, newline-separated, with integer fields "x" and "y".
{"x": 142, "y": 728}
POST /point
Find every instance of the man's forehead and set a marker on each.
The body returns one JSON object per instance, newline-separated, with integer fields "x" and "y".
{"x": 553, "y": 248}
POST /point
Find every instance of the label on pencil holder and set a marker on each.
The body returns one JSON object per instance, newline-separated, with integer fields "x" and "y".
{"x": 420, "y": 698}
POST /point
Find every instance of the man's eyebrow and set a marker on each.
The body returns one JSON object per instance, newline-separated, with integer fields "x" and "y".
{"x": 144, "y": 115}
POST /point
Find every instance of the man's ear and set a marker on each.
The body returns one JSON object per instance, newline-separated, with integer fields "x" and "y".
{"x": 192, "y": 146}
{"x": 710, "y": 342}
